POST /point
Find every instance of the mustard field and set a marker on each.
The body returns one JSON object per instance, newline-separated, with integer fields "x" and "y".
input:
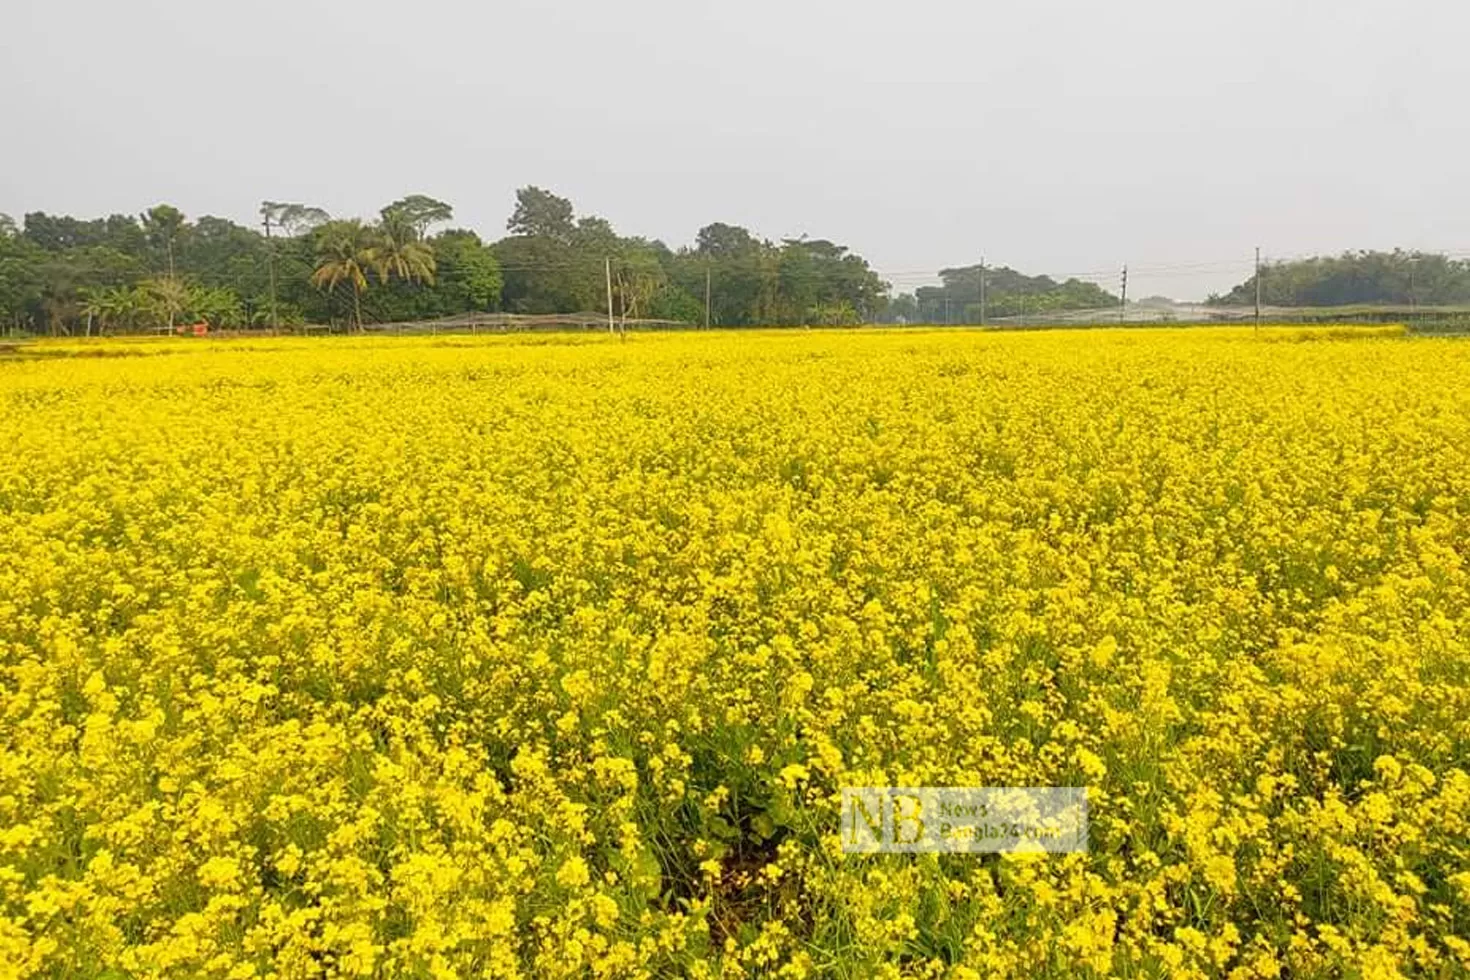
{"x": 549, "y": 656}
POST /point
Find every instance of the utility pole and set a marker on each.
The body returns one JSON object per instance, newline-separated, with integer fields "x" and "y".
{"x": 1123, "y": 299}
{"x": 946, "y": 311}
{"x": 1258, "y": 287}
{"x": 270, "y": 252}
{"x": 706, "y": 293}
{"x": 982, "y": 290}
{"x": 608, "y": 269}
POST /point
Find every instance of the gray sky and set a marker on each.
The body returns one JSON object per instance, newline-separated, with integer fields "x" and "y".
{"x": 1055, "y": 136}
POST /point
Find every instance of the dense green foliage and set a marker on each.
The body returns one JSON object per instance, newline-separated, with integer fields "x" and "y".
{"x": 161, "y": 271}
{"x": 1397, "y": 277}
{"x": 157, "y": 271}
{"x": 1008, "y": 293}
{"x": 554, "y": 261}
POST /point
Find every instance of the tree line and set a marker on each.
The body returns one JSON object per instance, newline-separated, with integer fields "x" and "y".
{"x": 65, "y": 275}
{"x": 1397, "y": 278}
{"x": 159, "y": 270}
{"x": 1006, "y": 293}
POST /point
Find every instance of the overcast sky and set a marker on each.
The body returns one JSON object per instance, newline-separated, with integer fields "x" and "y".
{"x": 1054, "y": 136}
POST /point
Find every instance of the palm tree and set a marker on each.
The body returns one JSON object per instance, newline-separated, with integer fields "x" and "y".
{"x": 110, "y": 306}
{"x": 345, "y": 251}
{"x": 399, "y": 251}
{"x": 94, "y": 307}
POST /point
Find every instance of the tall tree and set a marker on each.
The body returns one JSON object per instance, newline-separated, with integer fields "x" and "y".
{"x": 396, "y": 250}
{"x": 741, "y": 271}
{"x": 417, "y": 211}
{"x": 467, "y": 277}
{"x": 294, "y": 219}
{"x": 163, "y": 223}
{"x": 345, "y": 254}
{"x": 541, "y": 213}
{"x": 721, "y": 240}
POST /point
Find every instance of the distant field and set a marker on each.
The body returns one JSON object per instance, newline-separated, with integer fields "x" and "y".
{"x": 545, "y": 656}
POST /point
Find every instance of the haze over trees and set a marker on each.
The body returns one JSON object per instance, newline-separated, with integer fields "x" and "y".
{"x": 1008, "y": 293}
{"x": 160, "y": 270}
{"x": 1396, "y": 278}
